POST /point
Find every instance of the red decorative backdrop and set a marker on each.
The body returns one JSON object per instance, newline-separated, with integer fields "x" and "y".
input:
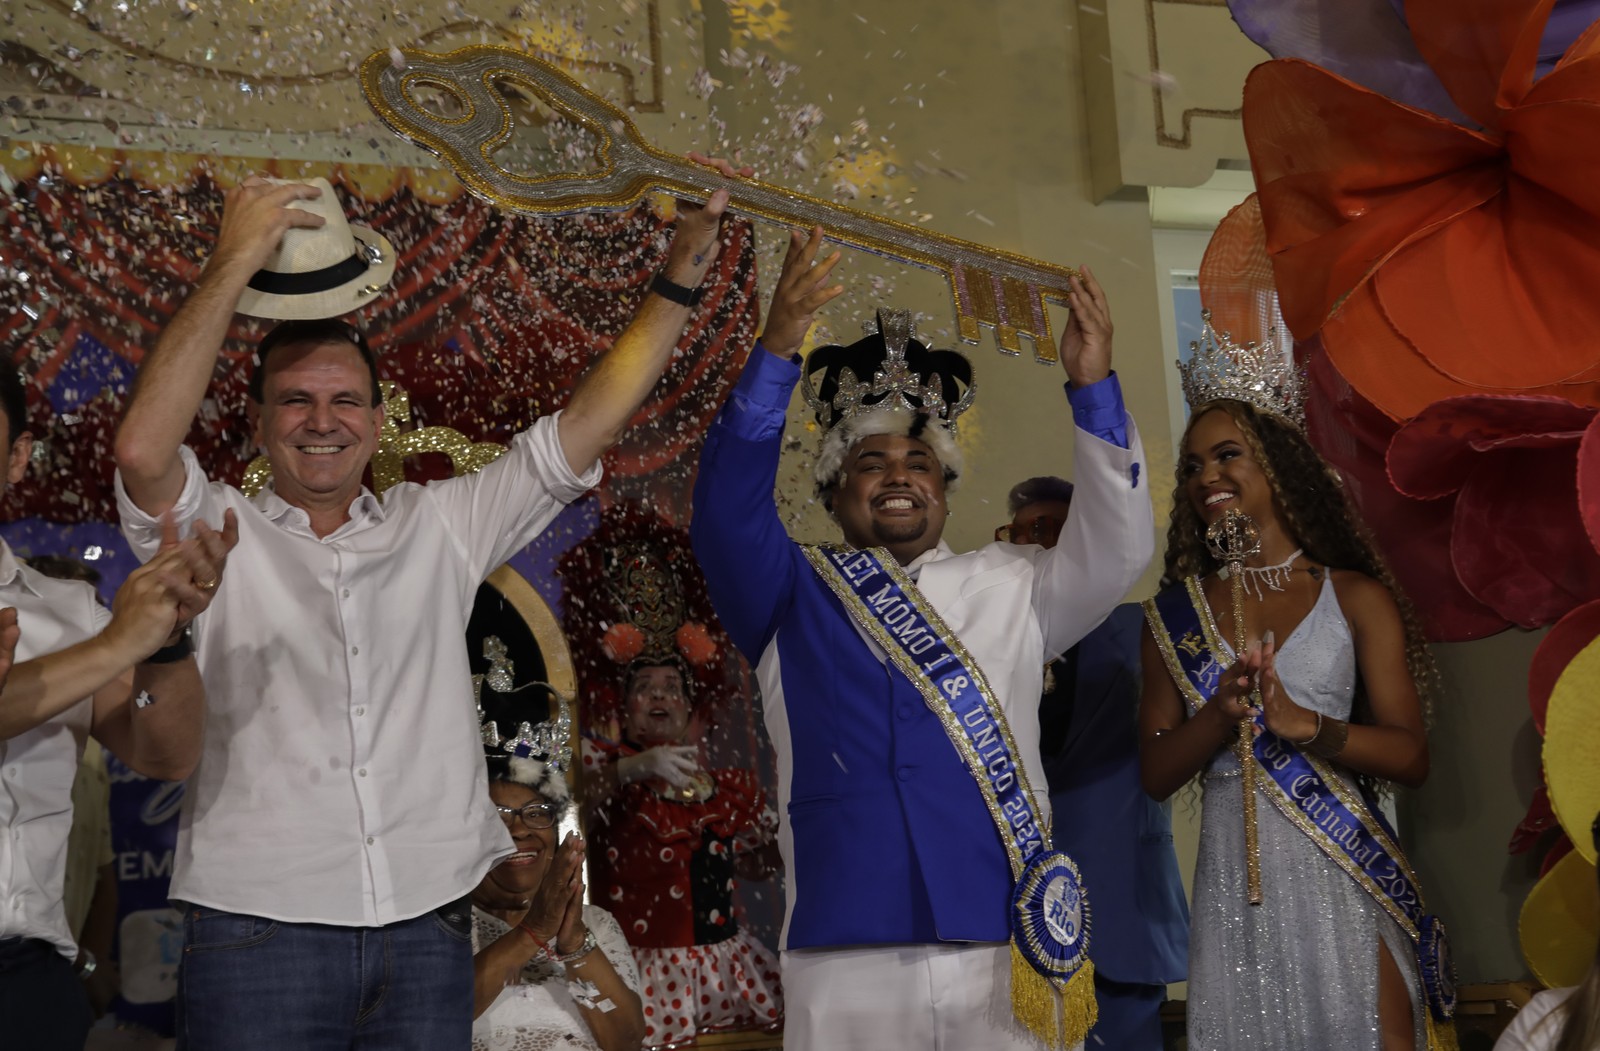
{"x": 489, "y": 322}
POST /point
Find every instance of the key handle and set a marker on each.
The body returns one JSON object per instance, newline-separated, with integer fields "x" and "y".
{"x": 992, "y": 288}
{"x": 472, "y": 77}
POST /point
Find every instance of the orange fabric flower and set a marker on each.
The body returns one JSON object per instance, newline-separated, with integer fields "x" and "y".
{"x": 1437, "y": 260}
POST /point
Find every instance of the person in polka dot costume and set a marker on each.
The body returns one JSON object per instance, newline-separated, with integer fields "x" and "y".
{"x": 677, "y": 837}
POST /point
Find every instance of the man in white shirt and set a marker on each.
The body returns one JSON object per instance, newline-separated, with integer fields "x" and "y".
{"x": 339, "y": 815}
{"x": 125, "y": 676}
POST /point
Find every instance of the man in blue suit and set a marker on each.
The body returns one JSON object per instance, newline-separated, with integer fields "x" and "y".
{"x": 899, "y": 925}
{"x": 1121, "y": 838}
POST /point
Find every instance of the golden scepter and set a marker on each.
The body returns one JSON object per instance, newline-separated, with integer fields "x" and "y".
{"x": 1231, "y": 539}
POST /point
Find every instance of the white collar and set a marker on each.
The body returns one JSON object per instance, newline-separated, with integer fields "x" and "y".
{"x": 936, "y": 553}
{"x": 365, "y": 506}
{"x": 11, "y": 570}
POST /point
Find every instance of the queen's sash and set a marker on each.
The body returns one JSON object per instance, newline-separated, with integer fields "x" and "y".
{"x": 1049, "y": 912}
{"x": 1306, "y": 790}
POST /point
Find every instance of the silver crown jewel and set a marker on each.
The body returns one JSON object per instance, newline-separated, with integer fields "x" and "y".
{"x": 894, "y": 383}
{"x": 549, "y": 740}
{"x": 1257, "y": 374}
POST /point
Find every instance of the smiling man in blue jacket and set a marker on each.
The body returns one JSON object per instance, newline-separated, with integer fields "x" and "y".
{"x": 890, "y": 668}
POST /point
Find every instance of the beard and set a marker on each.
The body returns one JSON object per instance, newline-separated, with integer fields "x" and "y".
{"x": 884, "y": 533}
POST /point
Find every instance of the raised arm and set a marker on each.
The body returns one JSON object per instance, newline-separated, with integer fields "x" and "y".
{"x": 738, "y": 538}
{"x": 1109, "y": 536}
{"x": 606, "y": 399}
{"x": 173, "y": 377}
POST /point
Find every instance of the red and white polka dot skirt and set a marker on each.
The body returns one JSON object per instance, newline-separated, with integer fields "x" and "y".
{"x": 708, "y": 989}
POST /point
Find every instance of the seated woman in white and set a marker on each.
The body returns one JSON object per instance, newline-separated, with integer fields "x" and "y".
{"x": 549, "y": 971}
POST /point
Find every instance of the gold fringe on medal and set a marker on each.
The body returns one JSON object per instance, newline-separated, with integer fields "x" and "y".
{"x": 1441, "y": 1035}
{"x": 1059, "y": 1019}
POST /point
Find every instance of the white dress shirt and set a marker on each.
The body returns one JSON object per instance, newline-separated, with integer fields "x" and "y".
{"x": 37, "y": 767}
{"x": 341, "y": 778}
{"x": 1538, "y": 1025}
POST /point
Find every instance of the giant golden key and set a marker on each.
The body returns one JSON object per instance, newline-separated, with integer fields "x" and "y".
{"x": 991, "y": 287}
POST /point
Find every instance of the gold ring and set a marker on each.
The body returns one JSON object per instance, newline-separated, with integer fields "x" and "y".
{"x": 206, "y": 585}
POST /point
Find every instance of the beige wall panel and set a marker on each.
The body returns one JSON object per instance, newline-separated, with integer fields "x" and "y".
{"x": 1164, "y": 81}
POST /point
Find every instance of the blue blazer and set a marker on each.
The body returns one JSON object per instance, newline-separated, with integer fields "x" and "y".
{"x": 1120, "y": 837}
{"x": 885, "y": 836}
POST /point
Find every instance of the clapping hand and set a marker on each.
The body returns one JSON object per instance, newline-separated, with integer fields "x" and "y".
{"x": 1231, "y": 701}
{"x": 201, "y": 560}
{"x": 559, "y": 893}
{"x": 1282, "y": 715}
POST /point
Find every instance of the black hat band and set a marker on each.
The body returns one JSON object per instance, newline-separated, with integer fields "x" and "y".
{"x": 275, "y": 283}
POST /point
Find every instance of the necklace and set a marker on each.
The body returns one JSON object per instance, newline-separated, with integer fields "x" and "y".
{"x": 1274, "y": 577}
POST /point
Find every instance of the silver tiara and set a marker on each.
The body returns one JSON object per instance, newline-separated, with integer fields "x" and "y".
{"x": 1257, "y": 374}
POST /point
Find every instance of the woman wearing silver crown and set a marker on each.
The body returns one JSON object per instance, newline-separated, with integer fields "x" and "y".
{"x": 548, "y": 970}
{"x": 1338, "y": 953}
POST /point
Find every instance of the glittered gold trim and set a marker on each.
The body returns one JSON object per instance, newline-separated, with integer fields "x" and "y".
{"x": 1287, "y": 807}
{"x": 930, "y": 692}
{"x": 1169, "y": 656}
{"x": 1208, "y": 620}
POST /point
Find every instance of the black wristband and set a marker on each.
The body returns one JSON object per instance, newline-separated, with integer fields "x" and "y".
{"x": 673, "y": 292}
{"x": 174, "y": 653}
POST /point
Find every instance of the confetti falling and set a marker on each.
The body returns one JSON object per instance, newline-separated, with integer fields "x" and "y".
{"x": 503, "y": 313}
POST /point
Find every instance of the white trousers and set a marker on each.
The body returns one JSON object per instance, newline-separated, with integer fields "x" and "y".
{"x": 933, "y": 997}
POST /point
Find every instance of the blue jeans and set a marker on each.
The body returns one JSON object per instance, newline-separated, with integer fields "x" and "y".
{"x": 253, "y": 984}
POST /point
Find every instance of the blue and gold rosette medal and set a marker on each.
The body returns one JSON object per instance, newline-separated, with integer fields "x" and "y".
{"x": 1050, "y": 917}
{"x": 1438, "y": 969}
{"x": 1052, "y": 980}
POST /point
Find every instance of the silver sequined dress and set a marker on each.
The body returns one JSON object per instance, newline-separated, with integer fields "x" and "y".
{"x": 1300, "y": 971}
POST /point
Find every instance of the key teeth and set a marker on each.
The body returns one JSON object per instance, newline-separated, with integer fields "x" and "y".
{"x": 1044, "y": 348}
{"x": 1006, "y": 337}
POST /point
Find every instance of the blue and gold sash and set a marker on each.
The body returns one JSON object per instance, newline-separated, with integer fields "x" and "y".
{"x": 1049, "y": 913}
{"x": 1314, "y": 798}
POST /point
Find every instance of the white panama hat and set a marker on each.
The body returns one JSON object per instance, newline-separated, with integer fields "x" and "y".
{"x": 320, "y": 272}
